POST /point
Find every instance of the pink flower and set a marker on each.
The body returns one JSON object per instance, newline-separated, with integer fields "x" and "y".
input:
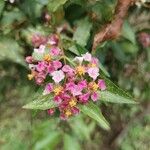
{"x": 38, "y": 39}
{"x": 65, "y": 96}
{"x": 94, "y": 96}
{"x": 29, "y": 59}
{"x": 53, "y": 40}
{"x": 50, "y": 68}
{"x": 93, "y": 72}
{"x": 41, "y": 66}
{"x": 82, "y": 84}
{"x": 57, "y": 99}
{"x": 84, "y": 97}
{"x": 67, "y": 69}
{"x": 57, "y": 64}
{"x": 95, "y": 61}
{"x": 58, "y": 76}
{"x": 40, "y": 50}
{"x": 76, "y": 90}
{"x": 87, "y": 57}
{"x": 70, "y": 86}
{"x": 40, "y": 78}
{"x": 75, "y": 110}
{"x": 102, "y": 85}
{"x": 55, "y": 51}
{"x": 48, "y": 89}
{"x": 50, "y": 111}
{"x": 63, "y": 117}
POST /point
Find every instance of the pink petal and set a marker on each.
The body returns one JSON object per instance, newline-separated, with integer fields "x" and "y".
{"x": 87, "y": 57}
{"x": 48, "y": 89}
{"x": 40, "y": 66}
{"x": 94, "y": 96}
{"x": 50, "y": 111}
{"x": 57, "y": 99}
{"x": 76, "y": 90}
{"x": 58, "y": 76}
{"x": 93, "y": 72}
{"x": 55, "y": 51}
{"x": 84, "y": 97}
{"x": 57, "y": 64}
{"x": 82, "y": 84}
{"x": 75, "y": 110}
{"x": 102, "y": 85}
{"x": 40, "y": 50}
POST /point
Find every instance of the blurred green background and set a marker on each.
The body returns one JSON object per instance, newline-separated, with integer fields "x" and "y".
{"x": 127, "y": 60}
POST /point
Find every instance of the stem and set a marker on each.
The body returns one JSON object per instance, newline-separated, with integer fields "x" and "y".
{"x": 112, "y": 30}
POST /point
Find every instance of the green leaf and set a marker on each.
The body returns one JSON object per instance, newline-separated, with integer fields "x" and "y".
{"x": 103, "y": 69}
{"x": 94, "y": 112}
{"x": 2, "y": 4}
{"x": 108, "y": 96}
{"x": 12, "y": 19}
{"x": 81, "y": 49}
{"x": 48, "y": 142}
{"x": 128, "y": 33}
{"x": 114, "y": 94}
{"x": 82, "y": 32}
{"x": 11, "y": 50}
{"x": 42, "y": 102}
{"x": 55, "y": 4}
{"x": 70, "y": 143}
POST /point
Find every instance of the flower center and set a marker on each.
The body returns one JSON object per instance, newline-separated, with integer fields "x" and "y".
{"x": 47, "y": 57}
{"x": 73, "y": 102}
{"x": 68, "y": 113}
{"x": 57, "y": 90}
{"x": 93, "y": 86}
{"x": 80, "y": 70}
{"x": 92, "y": 65}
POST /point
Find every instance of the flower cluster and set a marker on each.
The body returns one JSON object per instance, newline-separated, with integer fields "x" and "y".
{"x": 70, "y": 84}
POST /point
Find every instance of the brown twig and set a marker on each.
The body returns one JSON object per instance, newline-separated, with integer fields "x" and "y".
{"x": 112, "y": 30}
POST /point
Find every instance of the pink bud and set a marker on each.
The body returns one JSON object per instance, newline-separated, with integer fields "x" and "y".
{"x": 50, "y": 111}
{"x": 29, "y": 59}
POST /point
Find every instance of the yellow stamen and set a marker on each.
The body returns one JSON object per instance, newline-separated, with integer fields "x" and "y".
{"x": 93, "y": 86}
{"x": 92, "y": 65}
{"x": 72, "y": 103}
{"x": 80, "y": 70}
{"x": 30, "y": 76}
{"x": 47, "y": 57}
{"x": 57, "y": 90}
{"x": 68, "y": 113}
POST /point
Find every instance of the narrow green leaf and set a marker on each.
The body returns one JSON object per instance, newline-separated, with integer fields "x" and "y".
{"x": 82, "y": 32}
{"x": 81, "y": 49}
{"x": 71, "y": 143}
{"x": 103, "y": 69}
{"x": 2, "y": 4}
{"x": 94, "y": 112}
{"x": 113, "y": 88}
{"x": 128, "y": 32}
{"x": 114, "y": 94}
{"x": 108, "y": 96}
{"x": 43, "y": 102}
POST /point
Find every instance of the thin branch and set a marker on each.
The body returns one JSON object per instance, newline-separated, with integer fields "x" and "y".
{"x": 112, "y": 30}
